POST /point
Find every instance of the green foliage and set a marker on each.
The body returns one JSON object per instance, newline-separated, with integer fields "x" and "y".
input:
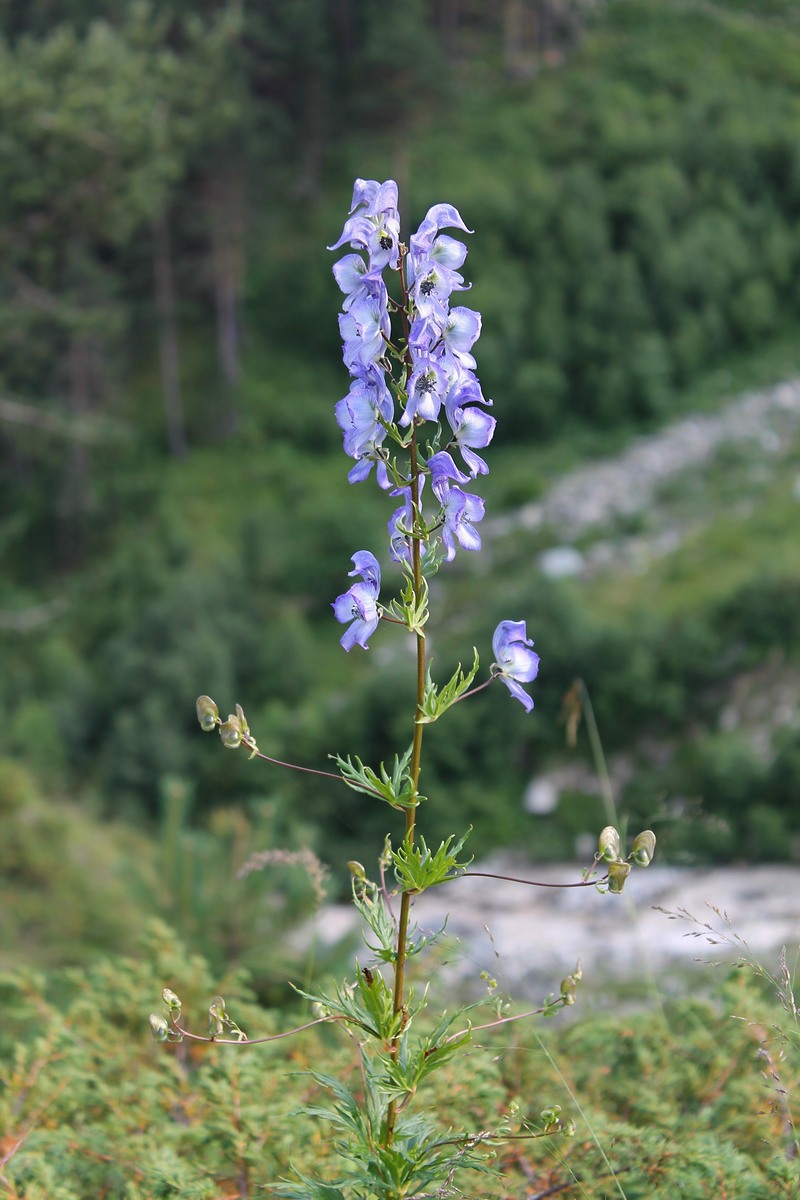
{"x": 643, "y": 174}
{"x": 417, "y": 868}
{"x": 683, "y": 1105}
{"x": 437, "y": 700}
{"x": 84, "y": 1094}
{"x": 397, "y": 788}
{"x": 641, "y": 168}
{"x": 74, "y": 886}
{"x": 645, "y": 170}
{"x": 55, "y": 858}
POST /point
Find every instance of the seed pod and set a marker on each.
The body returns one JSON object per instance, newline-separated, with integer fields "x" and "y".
{"x": 245, "y": 728}
{"x": 159, "y": 1027}
{"x": 207, "y": 713}
{"x": 217, "y": 1016}
{"x": 644, "y": 847}
{"x": 608, "y": 844}
{"x": 231, "y": 733}
{"x": 170, "y": 999}
{"x": 618, "y": 872}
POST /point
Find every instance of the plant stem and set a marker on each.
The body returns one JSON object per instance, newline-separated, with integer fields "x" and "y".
{"x": 416, "y": 761}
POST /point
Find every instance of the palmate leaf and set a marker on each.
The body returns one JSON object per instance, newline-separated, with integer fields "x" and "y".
{"x": 366, "y": 1004}
{"x": 308, "y": 1189}
{"x": 396, "y": 789}
{"x": 369, "y": 901}
{"x": 416, "y": 867}
{"x": 438, "y": 700}
{"x": 404, "y": 1073}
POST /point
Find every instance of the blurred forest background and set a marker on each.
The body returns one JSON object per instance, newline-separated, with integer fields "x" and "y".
{"x": 174, "y": 512}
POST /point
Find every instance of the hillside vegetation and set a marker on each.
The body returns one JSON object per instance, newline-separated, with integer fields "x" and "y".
{"x": 175, "y": 513}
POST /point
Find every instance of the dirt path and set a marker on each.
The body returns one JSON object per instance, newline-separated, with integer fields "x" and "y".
{"x": 598, "y": 493}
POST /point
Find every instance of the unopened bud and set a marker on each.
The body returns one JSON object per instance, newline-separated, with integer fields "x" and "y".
{"x": 207, "y": 713}
{"x": 245, "y": 728}
{"x": 618, "y": 872}
{"x": 569, "y": 987}
{"x": 217, "y": 1016}
{"x": 644, "y": 847}
{"x": 608, "y": 844}
{"x": 170, "y": 999}
{"x": 159, "y": 1027}
{"x": 550, "y": 1116}
{"x": 356, "y": 870}
{"x": 231, "y": 733}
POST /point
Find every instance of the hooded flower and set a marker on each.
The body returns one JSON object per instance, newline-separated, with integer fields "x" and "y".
{"x": 374, "y": 224}
{"x": 515, "y": 660}
{"x": 359, "y": 604}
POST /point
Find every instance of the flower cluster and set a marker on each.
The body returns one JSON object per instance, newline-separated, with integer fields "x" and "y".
{"x": 414, "y": 400}
{"x": 436, "y": 365}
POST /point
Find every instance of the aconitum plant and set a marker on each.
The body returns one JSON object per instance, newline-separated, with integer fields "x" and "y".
{"x": 413, "y": 411}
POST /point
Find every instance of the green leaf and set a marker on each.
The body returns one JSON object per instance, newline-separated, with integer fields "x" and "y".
{"x": 411, "y": 609}
{"x": 438, "y": 700}
{"x": 370, "y": 902}
{"x": 417, "y": 869}
{"x": 367, "y": 1004}
{"x": 396, "y": 789}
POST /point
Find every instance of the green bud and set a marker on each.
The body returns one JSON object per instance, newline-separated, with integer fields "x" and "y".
{"x": 356, "y": 870}
{"x": 231, "y": 733}
{"x": 217, "y": 1016}
{"x": 245, "y": 728}
{"x": 569, "y": 987}
{"x": 549, "y": 1116}
{"x": 618, "y": 872}
{"x": 170, "y": 999}
{"x": 644, "y": 847}
{"x": 207, "y": 713}
{"x": 159, "y": 1027}
{"x": 608, "y": 844}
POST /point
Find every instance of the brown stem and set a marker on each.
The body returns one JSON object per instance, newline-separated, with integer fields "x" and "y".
{"x": 416, "y": 760}
{"x": 273, "y": 1037}
{"x": 528, "y": 882}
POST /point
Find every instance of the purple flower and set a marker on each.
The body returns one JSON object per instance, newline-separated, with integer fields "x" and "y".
{"x": 515, "y": 661}
{"x": 443, "y": 470}
{"x": 444, "y": 253}
{"x": 362, "y": 416}
{"x": 427, "y": 387}
{"x": 461, "y": 510}
{"x": 435, "y": 378}
{"x": 461, "y": 330}
{"x": 353, "y": 278}
{"x": 432, "y": 287}
{"x": 440, "y": 216}
{"x": 374, "y": 225}
{"x": 472, "y": 428}
{"x": 359, "y": 603}
{"x": 365, "y": 329}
